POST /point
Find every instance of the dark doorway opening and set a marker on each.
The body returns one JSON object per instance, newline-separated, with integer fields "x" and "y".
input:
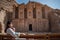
{"x": 30, "y": 27}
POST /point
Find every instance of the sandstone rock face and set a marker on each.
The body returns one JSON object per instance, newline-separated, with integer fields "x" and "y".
{"x": 5, "y": 7}
{"x": 30, "y": 17}
{"x": 54, "y": 19}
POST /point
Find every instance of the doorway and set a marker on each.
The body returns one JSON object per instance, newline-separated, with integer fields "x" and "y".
{"x": 30, "y": 27}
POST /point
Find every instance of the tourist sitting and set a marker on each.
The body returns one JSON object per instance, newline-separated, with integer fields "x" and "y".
{"x": 11, "y": 30}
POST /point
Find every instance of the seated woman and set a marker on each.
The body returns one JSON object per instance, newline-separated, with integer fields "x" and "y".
{"x": 11, "y": 30}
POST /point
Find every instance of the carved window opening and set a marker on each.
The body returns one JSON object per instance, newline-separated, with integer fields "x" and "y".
{"x": 25, "y": 13}
{"x": 16, "y": 12}
{"x": 34, "y": 12}
{"x": 30, "y": 27}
